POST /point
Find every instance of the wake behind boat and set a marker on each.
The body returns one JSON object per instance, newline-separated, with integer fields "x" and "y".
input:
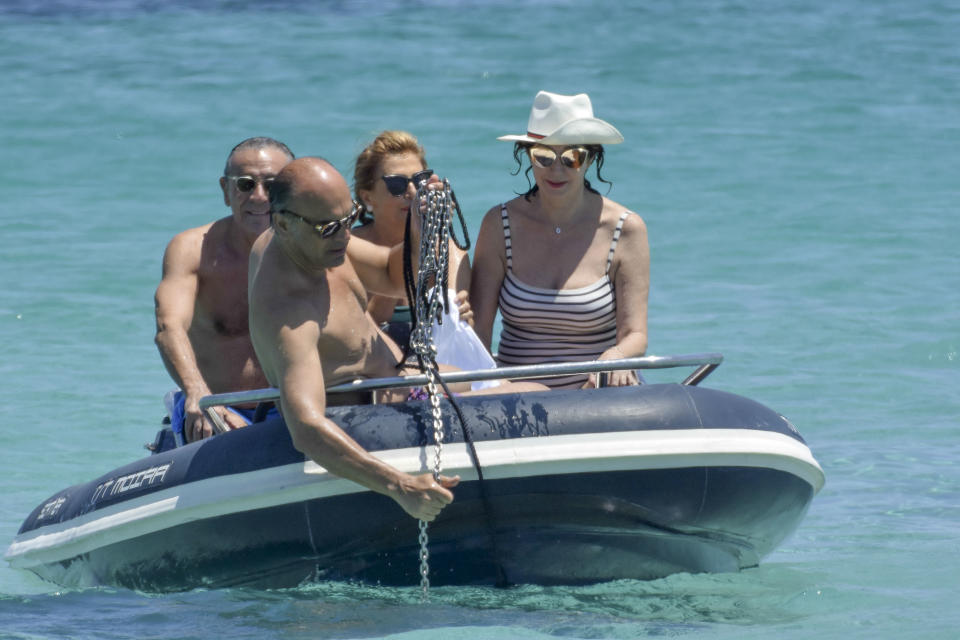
{"x": 577, "y": 486}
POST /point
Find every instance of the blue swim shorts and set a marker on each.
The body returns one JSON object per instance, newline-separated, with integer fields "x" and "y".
{"x": 177, "y": 415}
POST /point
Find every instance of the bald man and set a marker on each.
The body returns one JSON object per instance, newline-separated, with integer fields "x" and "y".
{"x": 310, "y": 327}
{"x": 201, "y": 301}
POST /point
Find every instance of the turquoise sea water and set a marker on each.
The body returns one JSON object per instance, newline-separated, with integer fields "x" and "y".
{"x": 798, "y": 167}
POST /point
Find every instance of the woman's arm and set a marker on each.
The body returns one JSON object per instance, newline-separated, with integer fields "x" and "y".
{"x": 489, "y": 270}
{"x": 459, "y": 280}
{"x": 631, "y": 282}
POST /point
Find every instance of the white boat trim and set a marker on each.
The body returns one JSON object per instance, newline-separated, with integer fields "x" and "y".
{"x": 500, "y": 459}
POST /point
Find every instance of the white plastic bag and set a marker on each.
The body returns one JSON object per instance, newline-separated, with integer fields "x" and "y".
{"x": 459, "y": 346}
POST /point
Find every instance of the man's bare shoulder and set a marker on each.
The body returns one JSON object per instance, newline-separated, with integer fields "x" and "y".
{"x": 196, "y": 234}
{"x": 261, "y": 243}
{"x": 215, "y": 244}
{"x": 285, "y": 311}
{"x": 191, "y": 240}
{"x": 183, "y": 251}
{"x": 364, "y": 231}
{"x": 274, "y": 282}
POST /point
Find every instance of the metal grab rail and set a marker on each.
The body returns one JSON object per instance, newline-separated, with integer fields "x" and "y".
{"x": 705, "y": 363}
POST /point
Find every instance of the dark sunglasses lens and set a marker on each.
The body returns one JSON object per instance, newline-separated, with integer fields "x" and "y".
{"x": 574, "y": 158}
{"x": 330, "y": 229}
{"x": 246, "y": 184}
{"x": 396, "y": 185}
{"x": 421, "y": 176}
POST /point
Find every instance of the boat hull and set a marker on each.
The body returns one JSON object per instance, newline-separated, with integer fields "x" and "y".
{"x": 577, "y": 487}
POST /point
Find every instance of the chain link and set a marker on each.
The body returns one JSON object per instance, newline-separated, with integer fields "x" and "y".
{"x": 435, "y": 207}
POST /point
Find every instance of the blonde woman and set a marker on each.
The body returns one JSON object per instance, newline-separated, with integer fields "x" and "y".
{"x": 386, "y": 174}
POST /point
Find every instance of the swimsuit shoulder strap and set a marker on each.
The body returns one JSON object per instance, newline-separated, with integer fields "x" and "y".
{"x": 505, "y": 219}
{"x": 616, "y": 238}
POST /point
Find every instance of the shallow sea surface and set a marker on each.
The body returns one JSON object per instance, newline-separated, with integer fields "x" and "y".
{"x": 798, "y": 167}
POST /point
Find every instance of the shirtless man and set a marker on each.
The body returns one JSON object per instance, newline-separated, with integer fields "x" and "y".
{"x": 310, "y": 327}
{"x": 201, "y": 302}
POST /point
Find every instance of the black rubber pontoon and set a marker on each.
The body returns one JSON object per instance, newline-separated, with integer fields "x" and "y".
{"x": 581, "y": 486}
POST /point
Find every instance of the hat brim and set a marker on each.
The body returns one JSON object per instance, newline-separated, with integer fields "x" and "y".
{"x": 580, "y": 131}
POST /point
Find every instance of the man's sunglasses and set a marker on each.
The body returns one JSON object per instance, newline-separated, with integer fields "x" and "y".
{"x": 246, "y": 184}
{"x": 397, "y": 184}
{"x": 328, "y": 229}
{"x": 571, "y": 157}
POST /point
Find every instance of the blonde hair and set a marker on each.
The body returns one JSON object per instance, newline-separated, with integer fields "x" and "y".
{"x": 368, "y": 162}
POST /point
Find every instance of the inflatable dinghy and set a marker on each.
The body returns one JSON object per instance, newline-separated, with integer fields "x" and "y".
{"x": 577, "y": 487}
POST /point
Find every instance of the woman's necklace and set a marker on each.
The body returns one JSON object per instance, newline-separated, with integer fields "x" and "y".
{"x": 557, "y": 229}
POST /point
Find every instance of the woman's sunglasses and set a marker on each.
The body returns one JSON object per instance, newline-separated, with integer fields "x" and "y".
{"x": 397, "y": 184}
{"x": 571, "y": 157}
{"x": 246, "y": 184}
{"x": 328, "y": 229}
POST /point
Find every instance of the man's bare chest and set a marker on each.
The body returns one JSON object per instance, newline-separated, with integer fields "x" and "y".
{"x": 221, "y": 302}
{"x": 347, "y": 334}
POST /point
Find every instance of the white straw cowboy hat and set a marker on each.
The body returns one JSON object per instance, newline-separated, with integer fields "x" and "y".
{"x": 558, "y": 119}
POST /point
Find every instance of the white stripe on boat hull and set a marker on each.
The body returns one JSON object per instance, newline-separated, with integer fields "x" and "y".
{"x": 514, "y": 458}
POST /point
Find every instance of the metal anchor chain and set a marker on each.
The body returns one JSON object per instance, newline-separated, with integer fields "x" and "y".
{"x": 435, "y": 207}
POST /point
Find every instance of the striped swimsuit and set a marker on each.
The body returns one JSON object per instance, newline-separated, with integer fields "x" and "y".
{"x": 556, "y": 325}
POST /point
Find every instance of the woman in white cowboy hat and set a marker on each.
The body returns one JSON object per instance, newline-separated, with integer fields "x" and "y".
{"x": 567, "y": 267}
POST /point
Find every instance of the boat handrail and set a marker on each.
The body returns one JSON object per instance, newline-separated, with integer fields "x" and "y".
{"x": 705, "y": 363}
